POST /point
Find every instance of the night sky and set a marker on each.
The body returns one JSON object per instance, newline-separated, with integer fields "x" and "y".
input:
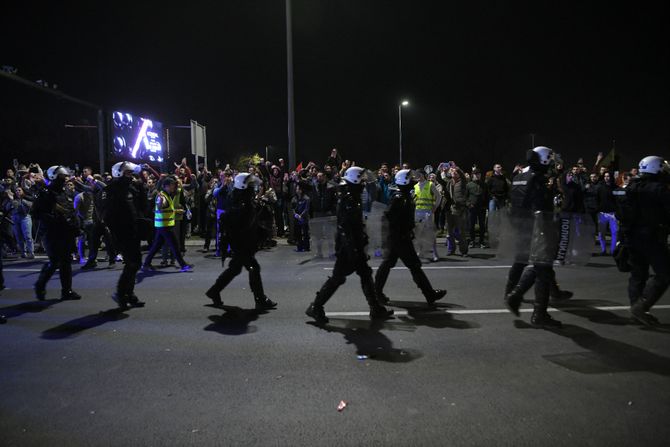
{"x": 480, "y": 78}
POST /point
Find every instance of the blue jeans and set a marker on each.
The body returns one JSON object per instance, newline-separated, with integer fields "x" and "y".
{"x": 607, "y": 220}
{"x": 494, "y": 204}
{"x": 23, "y": 231}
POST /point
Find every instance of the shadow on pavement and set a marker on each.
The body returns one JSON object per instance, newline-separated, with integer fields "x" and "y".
{"x": 25, "y": 308}
{"x": 73, "y": 327}
{"x": 482, "y": 256}
{"x": 585, "y": 309}
{"x": 369, "y": 341}
{"x": 141, "y": 275}
{"x": 436, "y": 319}
{"x": 422, "y": 305}
{"x": 600, "y": 266}
{"x": 234, "y": 321}
{"x": 606, "y": 355}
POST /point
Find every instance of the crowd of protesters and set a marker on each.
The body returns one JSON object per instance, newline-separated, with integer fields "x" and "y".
{"x": 456, "y": 200}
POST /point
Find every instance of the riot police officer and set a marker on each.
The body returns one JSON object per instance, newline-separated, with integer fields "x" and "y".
{"x": 350, "y": 245}
{"x": 241, "y": 228}
{"x": 530, "y": 195}
{"x": 55, "y": 210}
{"x": 400, "y": 216}
{"x": 3, "y": 319}
{"x": 646, "y": 219}
{"x": 122, "y": 214}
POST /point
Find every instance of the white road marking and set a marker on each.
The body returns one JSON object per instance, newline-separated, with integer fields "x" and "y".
{"x": 491, "y": 311}
{"x": 21, "y": 270}
{"x": 446, "y": 267}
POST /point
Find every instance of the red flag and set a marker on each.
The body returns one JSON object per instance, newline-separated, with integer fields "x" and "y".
{"x": 299, "y": 168}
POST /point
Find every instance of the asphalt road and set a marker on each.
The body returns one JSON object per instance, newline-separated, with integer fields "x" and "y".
{"x": 180, "y": 372}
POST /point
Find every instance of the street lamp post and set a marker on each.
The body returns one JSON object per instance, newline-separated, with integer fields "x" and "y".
{"x": 404, "y": 103}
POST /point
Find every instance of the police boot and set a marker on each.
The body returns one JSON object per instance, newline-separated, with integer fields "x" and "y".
{"x": 3, "y": 319}
{"x": 382, "y": 298}
{"x": 90, "y": 265}
{"x": 557, "y": 294}
{"x": 435, "y": 295}
{"x": 379, "y": 312}
{"x": 40, "y": 293}
{"x": 121, "y": 300}
{"x": 424, "y": 285}
{"x": 263, "y": 302}
{"x": 542, "y": 319}
{"x": 513, "y": 301}
{"x": 134, "y": 301}
{"x": 214, "y": 293}
{"x": 40, "y": 285}
{"x": 640, "y": 313}
{"x": 514, "y": 298}
{"x": 508, "y": 288}
{"x": 317, "y": 312}
{"x": 69, "y": 295}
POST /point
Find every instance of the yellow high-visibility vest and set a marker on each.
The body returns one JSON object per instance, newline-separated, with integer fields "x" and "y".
{"x": 164, "y": 217}
{"x": 423, "y": 197}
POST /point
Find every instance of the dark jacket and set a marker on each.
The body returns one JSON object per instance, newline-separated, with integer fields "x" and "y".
{"x": 498, "y": 187}
{"x": 54, "y": 208}
{"x": 476, "y": 194}
{"x": 351, "y": 237}
{"x": 573, "y": 196}
{"x": 400, "y": 217}
{"x": 323, "y": 199}
{"x": 606, "y": 202}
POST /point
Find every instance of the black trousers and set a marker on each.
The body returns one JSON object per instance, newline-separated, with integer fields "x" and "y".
{"x": 647, "y": 251}
{"x": 161, "y": 236}
{"x": 301, "y": 234}
{"x": 237, "y": 261}
{"x": 345, "y": 265}
{"x": 59, "y": 250}
{"x": 477, "y": 215}
{"x": 99, "y": 232}
{"x": 403, "y": 250}
{"x": 208, "y": 229}
{"x": 129, "y": 247}
{"x": 2, "y": 278}
{"x": 542, "y": 275}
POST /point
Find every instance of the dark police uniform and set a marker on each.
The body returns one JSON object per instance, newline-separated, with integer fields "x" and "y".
{"x": 400, "y": 217}
{"x": 122, "y": 201}
{"x": 241, "y": 229}
{"x": 529, "y": 195}
{"x": 646, "y": 219}
{"x": 55, "y": 210}
{"x": 350, "y": 253}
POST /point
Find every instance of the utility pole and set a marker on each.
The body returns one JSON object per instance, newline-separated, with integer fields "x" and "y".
{"x": 289, "y": 88}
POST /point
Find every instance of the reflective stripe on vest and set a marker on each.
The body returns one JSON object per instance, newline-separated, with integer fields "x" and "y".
{"x": 423, "y": 197}
{"x": 164, "y": 217}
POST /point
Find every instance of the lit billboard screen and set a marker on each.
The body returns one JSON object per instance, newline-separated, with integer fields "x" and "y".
{"x": 136, "y": 138}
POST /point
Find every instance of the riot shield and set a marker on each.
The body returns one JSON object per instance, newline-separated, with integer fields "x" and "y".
{"x": 575, "y": 239}
{"x": 374, "y": 226}
{"x": 542, "y": 237}
{"x": 324, "y": 230}
{"x": 424, "y": 234}
{"x": 510, "y": 234}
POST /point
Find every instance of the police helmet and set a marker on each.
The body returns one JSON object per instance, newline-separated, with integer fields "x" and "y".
{"x": 125, "y": 166}
{"x": 544, "y": 154}
{"x": 403, "y": 177}
{"x": 244, "y": 180}
{"x": 653, "y": 164}
{"x": 54, "y": 171}
{"x": 353, "y": 176}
